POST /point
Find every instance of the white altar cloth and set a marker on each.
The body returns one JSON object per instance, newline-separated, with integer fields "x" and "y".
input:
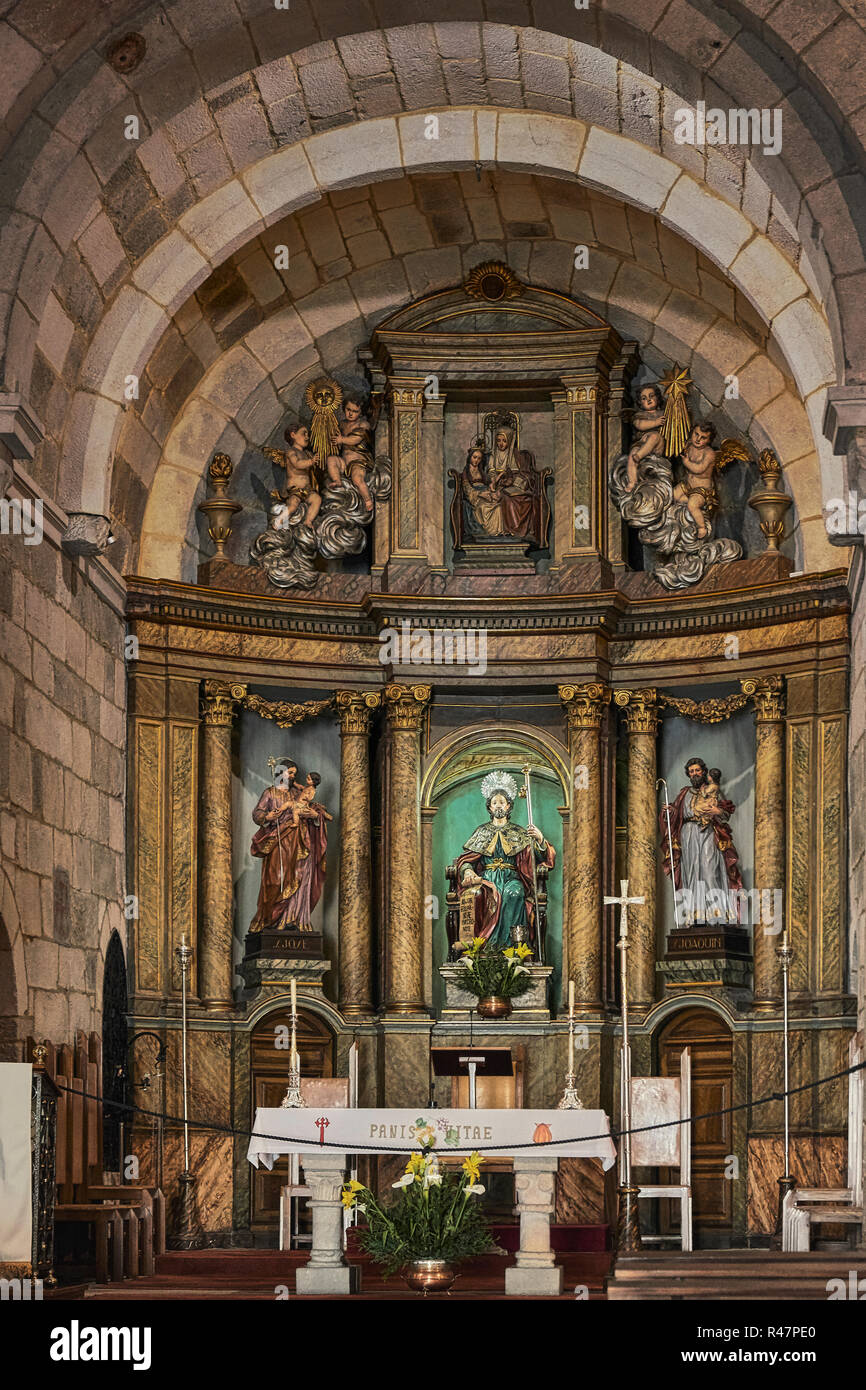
{"x": 521, "y": 1133}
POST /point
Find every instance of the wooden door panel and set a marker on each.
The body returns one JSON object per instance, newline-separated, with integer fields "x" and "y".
{"x": 709, "y": 1042}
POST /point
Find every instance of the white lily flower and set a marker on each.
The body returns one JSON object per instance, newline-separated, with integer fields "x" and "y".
{"x": 475, "y": 1187}
{"x": 433, "y": 1180}
{"x": 406, "y": 1180}
{"x": 360, "y": 1206}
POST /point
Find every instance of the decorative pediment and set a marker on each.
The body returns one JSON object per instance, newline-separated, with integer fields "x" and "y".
{"x": 493, "y": 323}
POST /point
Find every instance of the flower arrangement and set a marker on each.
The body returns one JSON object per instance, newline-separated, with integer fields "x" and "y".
{"x": 486, "y": 973}
{"x": 434, "y": 1217}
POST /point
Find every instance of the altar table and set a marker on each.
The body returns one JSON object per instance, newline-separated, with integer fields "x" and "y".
{"x": 535, "y": 1139}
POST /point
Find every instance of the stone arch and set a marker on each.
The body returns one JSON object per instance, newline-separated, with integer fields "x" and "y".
{"x": 371, "y": 151}
{"x": 702, "y": 53}
{"x": 676, "y": 307}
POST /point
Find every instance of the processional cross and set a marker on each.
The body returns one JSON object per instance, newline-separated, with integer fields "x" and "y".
{"x": 624, "y": 902}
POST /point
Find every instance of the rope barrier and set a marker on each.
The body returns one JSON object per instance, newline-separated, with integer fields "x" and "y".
{"x": 355, "y": 1147}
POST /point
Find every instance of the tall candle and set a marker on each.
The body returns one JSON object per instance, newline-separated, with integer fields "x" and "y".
{"x": 571, "y": 998}
{"x": 294, "y": 995}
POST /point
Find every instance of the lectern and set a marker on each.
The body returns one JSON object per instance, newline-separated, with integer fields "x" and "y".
{"x": 469, "y": 1060}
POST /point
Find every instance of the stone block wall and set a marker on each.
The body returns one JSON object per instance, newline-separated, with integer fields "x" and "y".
{"x": 62, "y": 776}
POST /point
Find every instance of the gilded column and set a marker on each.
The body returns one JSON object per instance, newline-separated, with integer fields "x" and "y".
{"x": 585, "y": 706}
{"x": 404, "y": 977}
{"x": 768, "y": 697}
{"x": 215, "y": 935}
{"x": 355, "y": 709}
{"x": 642, "y": 721}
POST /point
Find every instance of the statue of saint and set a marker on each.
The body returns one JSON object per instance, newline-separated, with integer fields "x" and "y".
{"x": 497, "y": 860}
{"x": 291, "y": 841}
{"x": 703, "y": 857}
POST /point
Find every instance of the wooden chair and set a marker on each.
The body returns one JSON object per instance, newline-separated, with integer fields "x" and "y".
{"x": 326, "y": 1092}
{"x": 805, "y": 1207}
{"x": 654, "y": 1099}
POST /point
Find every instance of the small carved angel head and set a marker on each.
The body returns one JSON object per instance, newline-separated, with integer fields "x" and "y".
{"x": 649, "y": 396}
{"x": 298, "y": 436}
{"x": 703, "y": 434}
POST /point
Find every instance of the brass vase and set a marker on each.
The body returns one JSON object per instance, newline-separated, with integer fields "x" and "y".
{"x": 430, "y": 1276}
{"x": 772, "y": 502}
{"x": 494, "y": 1006}
{"x": 219, "y": 509}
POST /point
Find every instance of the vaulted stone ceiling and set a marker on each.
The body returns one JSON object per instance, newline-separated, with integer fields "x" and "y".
{"x": 116, "y": 252}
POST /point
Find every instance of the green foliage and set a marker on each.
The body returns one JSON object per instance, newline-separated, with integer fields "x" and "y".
{"x": 484, "y": 973}
{"x": 434, "y": 1216}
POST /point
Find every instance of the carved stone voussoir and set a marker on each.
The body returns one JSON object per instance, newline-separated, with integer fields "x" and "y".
{"x": 406, "y": 705}
{"x": 640, "y": 708}
{"x": 768, "y": 696}
{"x": 355, "y": 709}
{"x": 219, "y": 701}
{"x": 584, "y": 705}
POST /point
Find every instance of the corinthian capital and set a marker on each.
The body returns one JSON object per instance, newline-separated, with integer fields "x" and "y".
{"x": 767, "y": 694}
{"x": 406, "y": 705}
{"x": 219, "y": 701}
{"x": 355, "y": 709}
{"x": 584, "y": 705}
{"x": 640, "y": 708}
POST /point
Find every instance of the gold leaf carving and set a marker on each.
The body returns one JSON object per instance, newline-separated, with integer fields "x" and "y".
{"x": 711, "y": 711}
{"x": 285, "y": 714}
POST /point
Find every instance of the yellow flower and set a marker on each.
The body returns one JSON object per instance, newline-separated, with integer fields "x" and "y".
{"x": 509, "y": 952}
{"x": 350, "y": 1193}
{"x": 523, "y": 951}
{"x": 416, "y": 1166}
{"x": 472, "y": 1166}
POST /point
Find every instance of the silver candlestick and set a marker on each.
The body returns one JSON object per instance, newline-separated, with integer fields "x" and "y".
{"x": 190, "y": 1235}
{"x": 293, "y": 1100}
{"x": 570, "y": 1100}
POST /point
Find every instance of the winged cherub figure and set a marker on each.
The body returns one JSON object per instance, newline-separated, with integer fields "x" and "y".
{"x": 701, "y": 459}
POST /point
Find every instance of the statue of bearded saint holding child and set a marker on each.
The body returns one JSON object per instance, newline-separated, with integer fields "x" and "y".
{"x": 497, "y": 860}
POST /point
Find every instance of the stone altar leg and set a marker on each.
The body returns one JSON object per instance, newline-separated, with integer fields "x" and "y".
{"x": 535, "y": 1271}
{"x": 355, "y": 709}
{"x": 642, "y": 720}
{"x": 326, "y": 1270}
{"x": 768, "y": 698}
{"x": 215, "y": 939}
{"x": 404, "y": 977}
{"x": 585, "y": 708}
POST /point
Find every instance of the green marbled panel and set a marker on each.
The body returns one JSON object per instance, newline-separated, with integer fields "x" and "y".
{"x": 407, "y": 497}
{"x": 583, "y": 474}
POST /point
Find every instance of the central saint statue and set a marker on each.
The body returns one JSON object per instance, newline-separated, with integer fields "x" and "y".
{"x": 497, "y": 860}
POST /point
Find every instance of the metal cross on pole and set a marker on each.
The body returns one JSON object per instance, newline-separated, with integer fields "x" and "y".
{"x": 628, "y": 1224}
